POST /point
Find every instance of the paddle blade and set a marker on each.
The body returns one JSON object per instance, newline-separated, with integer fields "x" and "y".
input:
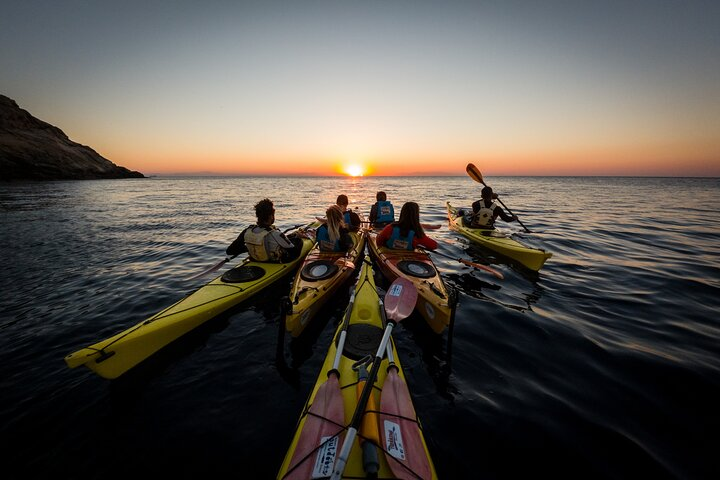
{"x": 400, "y": 432}
{"x": 211, "y": 269}
{"x": 400, "y": 299}
{"x": 474, "y": 173}
{"x": 480, "y": 266}
{"x": 320, "y": 439}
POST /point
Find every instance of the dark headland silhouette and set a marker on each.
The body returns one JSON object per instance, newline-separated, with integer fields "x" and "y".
{"x": 31, "y": 149}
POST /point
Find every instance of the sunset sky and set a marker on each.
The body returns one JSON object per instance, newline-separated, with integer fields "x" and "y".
{"x": 393, "y": 87}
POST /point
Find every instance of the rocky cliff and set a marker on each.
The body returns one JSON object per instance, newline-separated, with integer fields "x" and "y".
{"x": 31, "y": 149}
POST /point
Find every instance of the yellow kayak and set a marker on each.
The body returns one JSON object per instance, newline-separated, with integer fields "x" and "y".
{"x": 116, "y": 355}
{"x": 532, "y": 258}
{"x": 317, "y": 279}
{"x": 390, "y": 442}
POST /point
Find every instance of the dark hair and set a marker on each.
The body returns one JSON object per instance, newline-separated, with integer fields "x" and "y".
{"x": 486, "y": 192}
{"x": 264, "y": 209}
{"x": 381, "y": 197}
{"x": 410, "y": 220}
{"x": 342, "y": 200}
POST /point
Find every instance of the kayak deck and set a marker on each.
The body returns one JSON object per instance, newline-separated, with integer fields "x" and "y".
{"x": 532, "y": 258}
{"x": 116, "y": 355}
{"x": 433, "y": 302}
{"x": 316, "y": 460}
{"x": 317, "y": 279}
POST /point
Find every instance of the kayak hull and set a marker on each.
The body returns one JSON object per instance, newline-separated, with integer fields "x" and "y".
{"x": 416, "y": 265}
{"x": 303, "y": 461}
{"x": 531, "y": 258}
{"x": 310, "y": 292}
{"x": 116, "y": 355}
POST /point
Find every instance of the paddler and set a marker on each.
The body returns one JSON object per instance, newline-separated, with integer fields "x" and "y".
{"x": 382, "y": 212}
{"x": 486, "y": 211}
{"x": 407, "y": 233}
{"x": 352, "y": 220}
{"x": 334, "y": 235}
{"x": 264, "y": 242}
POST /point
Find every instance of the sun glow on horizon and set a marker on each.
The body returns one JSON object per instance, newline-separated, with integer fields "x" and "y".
{"x": 355, "y": 170}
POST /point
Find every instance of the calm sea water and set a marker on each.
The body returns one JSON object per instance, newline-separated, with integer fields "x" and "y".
{"x": 605, "y": 365}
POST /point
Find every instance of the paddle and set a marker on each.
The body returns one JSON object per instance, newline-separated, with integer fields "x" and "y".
{"x": 227, "y": 259}
{"x": 325, "y": 418}
{"x": 475, "y": 174}
{"x": 213, "y": 268}
{"x": 368, "y": 431}
{"x": 479, "y": 266}
{"x": 401, "y": 435}
{"x": 425, "y": 226}
{"x": 399, "y": 303}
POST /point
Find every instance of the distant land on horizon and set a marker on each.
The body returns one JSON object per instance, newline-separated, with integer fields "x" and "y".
{"x": 31, "y": 149}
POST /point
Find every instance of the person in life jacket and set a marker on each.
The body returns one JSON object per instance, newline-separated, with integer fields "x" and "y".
{"x": 333, "y": 235}
{"x": 264, "y": 242}
{"x": 382, "y": 212}
{"x": 486, "y": 210}
{"x": 407, "y": 233}
{"x": 352, "y": 220}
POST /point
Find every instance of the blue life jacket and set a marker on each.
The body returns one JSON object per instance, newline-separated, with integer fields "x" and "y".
{"x": 323, "y": 238}
{"x": 346, "y": 218}
{"x": 385, "y": 212}
{"x": 400, "y": 243}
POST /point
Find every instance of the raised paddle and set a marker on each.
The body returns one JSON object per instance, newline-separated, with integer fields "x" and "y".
{"x": 475, "y": 174}
{"x": 399, "y": 303}
{"x": 325, "y": 418}
{"x": 479, "y": 266}
{"x": 399, "y": 429}
{"x": 227, "y": 259}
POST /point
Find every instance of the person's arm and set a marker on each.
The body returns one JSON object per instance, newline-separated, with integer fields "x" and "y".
{"x": 426, "y": 242}
{"x": 384, "y": 235}
{"x": 238, "y": 246}
{"x": 499, "y": 212}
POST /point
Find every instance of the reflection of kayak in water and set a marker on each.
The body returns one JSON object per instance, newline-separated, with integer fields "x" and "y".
{"x": 532, "y": 258}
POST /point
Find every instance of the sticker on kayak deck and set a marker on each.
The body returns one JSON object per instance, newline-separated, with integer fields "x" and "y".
{"x": 325, "y": 460}
{"x": 393, "y": 440}
{"x": 430, "y": 310}
{"x": 395, "y": 290}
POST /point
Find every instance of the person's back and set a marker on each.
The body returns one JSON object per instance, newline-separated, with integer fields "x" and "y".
{"x": 486, "y": 211}
{"x": 264, "y": 242}
{"x": 382, "y": 212}
{"x": 407, "y": 233}
{"x": 333, "y": 236}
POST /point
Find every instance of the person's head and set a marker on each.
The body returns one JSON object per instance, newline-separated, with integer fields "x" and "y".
{"x": 486, "y": 193}
{"x": 334, "y": 222}
{"x": 265, "y": 212}
{"x": 381, "y": 197}
{"x": 342, "y": 201}
{"x": 410, "y": 219}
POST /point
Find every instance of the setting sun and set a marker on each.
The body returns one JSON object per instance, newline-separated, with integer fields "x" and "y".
{"x": 355, "y": 170}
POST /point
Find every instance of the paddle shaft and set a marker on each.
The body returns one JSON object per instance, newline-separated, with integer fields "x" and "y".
{"x": 360, "y": 409}
{"x": 470, "y": 264}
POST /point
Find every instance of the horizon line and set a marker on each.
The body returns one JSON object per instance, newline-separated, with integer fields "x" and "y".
{"x": 270, "y": 175}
